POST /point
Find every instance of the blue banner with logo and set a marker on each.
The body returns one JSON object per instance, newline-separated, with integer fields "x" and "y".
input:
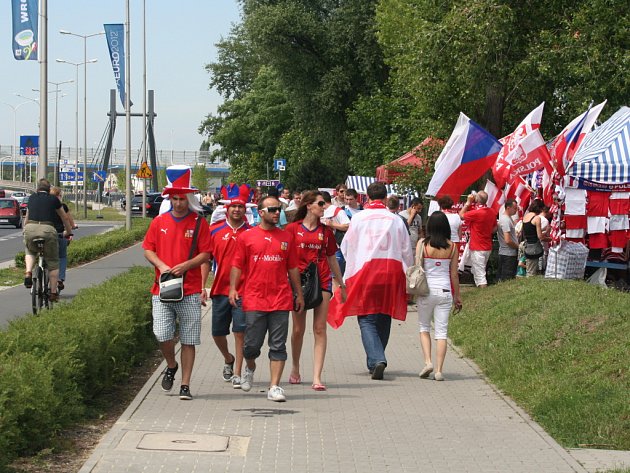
{"x": 25, "y": 23}
{"x": 115, "y": 34}
{"x": 29, "y": 145}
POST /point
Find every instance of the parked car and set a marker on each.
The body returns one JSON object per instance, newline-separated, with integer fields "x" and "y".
{"x": 19, "y": 196}
{"x": 10, "y": 212}
{"x": 24, "y": 205}
{"x": 154, "y": 200}
{"x": 2, "y": 193}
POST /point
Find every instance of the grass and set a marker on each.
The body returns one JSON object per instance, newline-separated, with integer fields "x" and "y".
{"x": 11, "y": 276}
{"x": 560, "y": 349}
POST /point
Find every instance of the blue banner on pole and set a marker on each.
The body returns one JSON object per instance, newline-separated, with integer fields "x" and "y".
{"x": 25, "y": 23}
{"x": 29, "y": 145}
{"x": 115, "y": 34}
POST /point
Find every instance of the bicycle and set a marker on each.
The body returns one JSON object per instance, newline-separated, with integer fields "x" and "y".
{"x": 40, "y": 292}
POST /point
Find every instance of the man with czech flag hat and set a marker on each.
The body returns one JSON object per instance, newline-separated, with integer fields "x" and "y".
{"x": 167, "y": 247}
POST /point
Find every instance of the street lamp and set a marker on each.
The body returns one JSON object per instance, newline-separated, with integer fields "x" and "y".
{"x": 85, "y": 61}
{"x": 28, "y": 158}
{"x": 76, "y": 170}
{"x": 14, "y": 108}
{"x": 56, "y": 91}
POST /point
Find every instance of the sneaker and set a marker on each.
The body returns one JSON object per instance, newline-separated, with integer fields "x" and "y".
{"x": 247, "y": 380}
{"x": 236, "y": 382}
{"x": 169, "y": 377}
{"x": 28, "y": 281}
{"x": 379, "y": 369}
{"x": 276, "y": 394}
{"x": 438, "y": 377}
{"x": 60, "y": 285}
{"x": 228, "y": 370}
{"x": 184, "y": 393}
{"x": 426, "y": 371}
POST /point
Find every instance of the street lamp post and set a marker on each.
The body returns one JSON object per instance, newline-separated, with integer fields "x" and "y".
{"x": 28, "y": 158}
{"x": 56, "y": 92}
{"x": 15, "y": 108}
{"x": 85, "y": 61}
{"x": 76, "y": 120}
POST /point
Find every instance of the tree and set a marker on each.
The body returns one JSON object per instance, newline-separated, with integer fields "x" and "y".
{"x": 200, "y": 177}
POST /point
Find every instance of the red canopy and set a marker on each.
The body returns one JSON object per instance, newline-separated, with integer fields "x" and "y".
{"x": 410, "y": 158}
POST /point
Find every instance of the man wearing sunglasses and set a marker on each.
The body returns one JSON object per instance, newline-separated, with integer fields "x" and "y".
{"x": 264, "y": 256}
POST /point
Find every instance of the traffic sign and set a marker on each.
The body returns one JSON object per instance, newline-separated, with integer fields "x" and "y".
{"x": 279, "y": 164}
{"x": 99, "y": 176}
{"x": 267, "y": 183}
{"x": 29, "y": 145}
{"x": 144, "y": 172}
{"x": 70, "y": 178}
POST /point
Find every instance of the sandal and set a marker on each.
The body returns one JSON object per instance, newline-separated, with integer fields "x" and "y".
{"x": 28, "y": 280}
{"x": 295, "y": 379}
{"x": 319, "y": 387}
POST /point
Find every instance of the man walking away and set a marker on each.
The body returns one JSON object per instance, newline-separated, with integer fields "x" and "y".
{"x": 374, "y": 277}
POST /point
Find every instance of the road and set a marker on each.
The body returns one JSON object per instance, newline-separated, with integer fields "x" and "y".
{"x": 11, "y": 241}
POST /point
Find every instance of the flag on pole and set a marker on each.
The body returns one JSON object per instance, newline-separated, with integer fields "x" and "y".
{"x": 468, "y": 154}
{"x": 565, "y": 145}
{"x": 496, "y": 197}
{"x": 530, "y": 155}
{"x": 25, "y": 26}
{"x": 502, "y": 166}
{"x": 520, "y": 191}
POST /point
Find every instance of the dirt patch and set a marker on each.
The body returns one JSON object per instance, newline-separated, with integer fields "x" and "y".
{"x": 73, "y": 446}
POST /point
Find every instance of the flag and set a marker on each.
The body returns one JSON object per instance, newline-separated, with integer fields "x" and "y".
{"x": 520, "y": 191}
{"x": 501, "y": 167}
{"x": 530, "y": 155}
{"x": 565, "y": 145}
{"x": 377, "y": 252}
{"x": 25, "y": 25}
{"x": 495, "y": 196}
{"x": 468, "y": 154}
{"x": 115, "y": 35}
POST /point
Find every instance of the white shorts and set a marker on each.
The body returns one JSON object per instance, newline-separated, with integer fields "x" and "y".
{"x": 165, "y": 315}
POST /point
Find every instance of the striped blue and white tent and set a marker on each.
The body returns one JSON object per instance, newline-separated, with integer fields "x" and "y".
{"x": 603, "y": 160}
{"x": 361, "y": 183}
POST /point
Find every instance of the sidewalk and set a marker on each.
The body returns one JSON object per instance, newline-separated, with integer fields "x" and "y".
{"x": 401, "y": 424}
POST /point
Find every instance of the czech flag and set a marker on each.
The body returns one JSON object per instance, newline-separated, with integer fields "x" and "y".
{"x": 565, "y": 145}
{"x": 468, "y": 154}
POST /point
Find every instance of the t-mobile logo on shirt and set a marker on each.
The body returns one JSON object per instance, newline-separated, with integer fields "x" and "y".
{"x": 268, "y": 258}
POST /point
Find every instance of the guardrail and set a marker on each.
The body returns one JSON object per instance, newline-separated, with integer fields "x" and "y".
{"x": 17, "y": 185}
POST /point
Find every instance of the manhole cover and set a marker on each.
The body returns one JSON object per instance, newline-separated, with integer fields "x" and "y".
{"x": 184, "y": 442}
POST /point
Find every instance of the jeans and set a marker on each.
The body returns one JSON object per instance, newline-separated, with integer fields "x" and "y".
{"x": 375, "y": 330}
{"x": 507, "y": 267}
{"x": 341, "y": 261}
{"x": 63, "y": 257}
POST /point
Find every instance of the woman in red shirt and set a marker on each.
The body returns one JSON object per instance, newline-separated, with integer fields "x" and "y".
{"x": 314, "y": 242}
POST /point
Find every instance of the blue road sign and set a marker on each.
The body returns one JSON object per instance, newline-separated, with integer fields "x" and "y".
{"x": 279, "y": 164}
{"x": 29, "y": 145}
{"x": 99, "y": 176}
{"x": 70, "y": 176}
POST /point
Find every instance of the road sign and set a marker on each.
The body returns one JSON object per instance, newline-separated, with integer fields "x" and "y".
{"x": 99, "y": 176}
{"x": 69, "y": 178}
{"x": 144, "y": 172}
{"x": 29, "y": 145}
{"x": 279, "y": 164}
{"x": 267, "y": 183}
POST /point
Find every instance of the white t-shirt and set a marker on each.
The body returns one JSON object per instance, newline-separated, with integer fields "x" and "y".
{"x": 455, "y": 221}
{"x": 341, "y": 218}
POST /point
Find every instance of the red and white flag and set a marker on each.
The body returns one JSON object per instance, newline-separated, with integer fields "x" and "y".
{"x": 520, "y": 191}
{"x": 530, "y": 155}
{"x": 565, "y": 145}
{"x": 377, "y": 252}
{"x": 503, "y": 164}
{"x": 495, "y": 196}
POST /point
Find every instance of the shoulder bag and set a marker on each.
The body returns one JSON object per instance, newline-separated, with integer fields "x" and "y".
{"x": 417, "y": 283}
{"x": 171, "y": 286}
{"x": 311, "y": 288}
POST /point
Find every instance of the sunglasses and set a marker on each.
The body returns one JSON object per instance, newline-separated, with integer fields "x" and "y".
{"x": 321, "y": 203}
{"x": 271, "y": 210}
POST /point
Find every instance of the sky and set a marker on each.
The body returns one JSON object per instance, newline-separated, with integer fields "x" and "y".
{"x": 181, "y": 39}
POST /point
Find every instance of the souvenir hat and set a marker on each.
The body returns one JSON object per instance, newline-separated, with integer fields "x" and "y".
{"x": 179, "y": 180}
{"x": 236, "y": 194}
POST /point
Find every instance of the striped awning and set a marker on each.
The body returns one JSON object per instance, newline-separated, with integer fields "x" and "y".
{"x": 361, "y": 183}
{"x": 604, "y": 156}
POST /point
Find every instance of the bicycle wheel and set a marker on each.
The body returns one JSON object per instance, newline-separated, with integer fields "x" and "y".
{"x": 37, "y": 294}
{"x": 46, "y": 291}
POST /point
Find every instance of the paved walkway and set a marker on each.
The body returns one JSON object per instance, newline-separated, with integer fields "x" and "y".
{"x": 401, "y": 424}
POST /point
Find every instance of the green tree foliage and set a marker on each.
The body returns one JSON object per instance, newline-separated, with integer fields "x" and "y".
{"x": 200, "y": 177}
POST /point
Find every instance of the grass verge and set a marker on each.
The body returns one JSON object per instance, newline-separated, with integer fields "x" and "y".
{"x": 54, "y": 367}
{"x": 560, "y": 349}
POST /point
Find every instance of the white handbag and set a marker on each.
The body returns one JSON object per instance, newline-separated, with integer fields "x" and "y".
{"x": 417, "y": 283}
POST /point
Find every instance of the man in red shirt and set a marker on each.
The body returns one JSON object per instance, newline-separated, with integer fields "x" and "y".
{"x": 223, "y": 236}
{"x": 482, "y": 223}
{"x": 263, "y": 257}
{"x": 167, "y": 247}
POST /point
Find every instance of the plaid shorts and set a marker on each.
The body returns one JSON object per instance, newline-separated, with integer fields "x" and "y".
{"x": 165, "y": 315}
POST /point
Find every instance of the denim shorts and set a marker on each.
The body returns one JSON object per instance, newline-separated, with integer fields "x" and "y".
{"x": 224, "y": 313}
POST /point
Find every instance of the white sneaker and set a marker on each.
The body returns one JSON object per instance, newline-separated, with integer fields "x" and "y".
{"x": 247, "y": 380}
{"x": 236, "y": 382}
{"x": 276, "y": 393}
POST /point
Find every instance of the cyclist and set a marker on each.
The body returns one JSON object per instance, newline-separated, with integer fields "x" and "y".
{"x": 39, "y": 223}
{"x": 63, "y": 242}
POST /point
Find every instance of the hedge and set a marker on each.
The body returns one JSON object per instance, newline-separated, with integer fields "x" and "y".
{"x": 53, "y": 366}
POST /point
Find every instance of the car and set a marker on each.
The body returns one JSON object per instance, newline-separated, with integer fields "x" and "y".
{"x": 10, "y": 212}
{"x": 24, "y": 205}
{"x": 154, "y": 200}
{"x": 19, "y": 196}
